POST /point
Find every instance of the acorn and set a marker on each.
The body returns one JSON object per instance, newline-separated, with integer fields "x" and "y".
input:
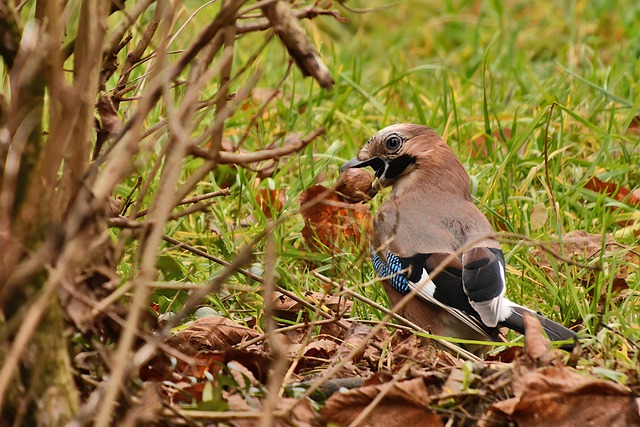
{"x": 354, "y": 186}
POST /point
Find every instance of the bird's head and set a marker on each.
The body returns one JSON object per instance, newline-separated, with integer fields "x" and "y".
{"x": 398, "y": 150}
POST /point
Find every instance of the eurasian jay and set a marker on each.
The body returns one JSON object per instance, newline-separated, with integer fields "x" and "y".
{"x": 427, "y": 217}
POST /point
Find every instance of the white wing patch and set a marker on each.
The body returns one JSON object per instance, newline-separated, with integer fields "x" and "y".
{"x": 495, "y": 310}
{"x": 426, "y": 285}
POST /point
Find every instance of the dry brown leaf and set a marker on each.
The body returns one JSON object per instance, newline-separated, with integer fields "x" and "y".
{"x": 404, "y": 404}
{"x": 562, "y": 397}
{"x": 210, "y": 333}
{"x": 184, "y": 391}
{"x": 271, "y": 201}
{"x": 147, "y": 410}
{"x": 454, "y": 384}
{"x": 355, "y": 340}
{"x": 289, "y": 309}
{"x": 634, "y": 126}
{"x": 618, "y": 192}
{"x": 258, "y": 363}
{"x": 110, "y": 122}
{"x": 507, "y": 355}
{"x": 242, "y": 375}
{"x": 330, "y": 223}
{"x": 160, "y": 367}
{"x": 317, "y": 352}
{"x": 302, "y": 415}
{"x": 408, "y": 347}
{"x": 536, "y": 344}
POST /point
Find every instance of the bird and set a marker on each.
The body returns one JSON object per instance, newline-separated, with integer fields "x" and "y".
{"x": 429, "y": 219}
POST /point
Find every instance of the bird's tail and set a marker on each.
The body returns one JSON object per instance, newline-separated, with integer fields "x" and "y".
{"x": 555, "y": 331}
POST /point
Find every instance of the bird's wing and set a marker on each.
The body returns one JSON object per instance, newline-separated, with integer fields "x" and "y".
{"x": 443, "y": 290}
{"x": 483, "y": 282}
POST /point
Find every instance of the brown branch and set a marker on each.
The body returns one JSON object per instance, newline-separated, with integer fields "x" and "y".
{"x": 280, "y": 361}
{"x": 147, "y": 252}
{"x": 115, "y": 43}
{"x": 287, "y": 27}
{"x": 193, "y": 199}
{"x": 134, "y": 56}
{"x": 306, "y": 13}
{"x": 259, "y": 156}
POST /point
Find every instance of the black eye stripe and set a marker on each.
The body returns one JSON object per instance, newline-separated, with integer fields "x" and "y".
{"x": 398, "y": 165}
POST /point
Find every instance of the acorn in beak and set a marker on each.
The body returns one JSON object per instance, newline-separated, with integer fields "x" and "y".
{"x": 376, "y": 163}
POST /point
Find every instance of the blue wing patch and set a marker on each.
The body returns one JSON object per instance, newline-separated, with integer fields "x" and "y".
{"x": 392, "y": 270}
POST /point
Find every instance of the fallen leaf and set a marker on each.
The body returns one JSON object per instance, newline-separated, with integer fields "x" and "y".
{"x": 507, "y": 355}
{"x": 302, "y": 414}
{"x": 404, "y": 403}
{"x": 147, "y": 409}
{"x": 110, "y": 123}
{"x": 634, "y": 126}
{"x": 562, "y": 397}
{"x": 408, "y": 347}
{"x": 454, "y": 384}
{"x": 208, "y": 342}
{"x": 210, "y": 333}
{"x": 536, "y": 344}
{"x": 289, "y": 309}
{"x": 184, "y": 391}
{"x": 271, "y": 201}
{"x": 355, "y": 341}
{"x": 257, "y": 363}
{"x": 315, "y": 354}
{"x": 330, "y": 223}
{"x": 616, "y": 191}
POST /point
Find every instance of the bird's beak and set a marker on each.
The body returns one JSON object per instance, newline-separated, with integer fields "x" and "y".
{"x": 377, "y": 164}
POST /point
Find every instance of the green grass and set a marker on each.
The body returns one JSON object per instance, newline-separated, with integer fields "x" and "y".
{"x": 465, "y": 68}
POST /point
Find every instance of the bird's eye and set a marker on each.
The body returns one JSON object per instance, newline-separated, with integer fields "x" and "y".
{"x": 393, "y": 142}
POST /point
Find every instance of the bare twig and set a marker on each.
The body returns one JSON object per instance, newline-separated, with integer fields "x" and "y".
{"x": 160, "y": 212}
{"x": 262, "y": 155}
{"x": 278, "y": 367}
{"x": 194, "y": 199}
{"x": 114, "y": 43}
{"x": 305, "y": 13}
{"x": 287, "y": 27}
{"x": 134, "y": 56}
